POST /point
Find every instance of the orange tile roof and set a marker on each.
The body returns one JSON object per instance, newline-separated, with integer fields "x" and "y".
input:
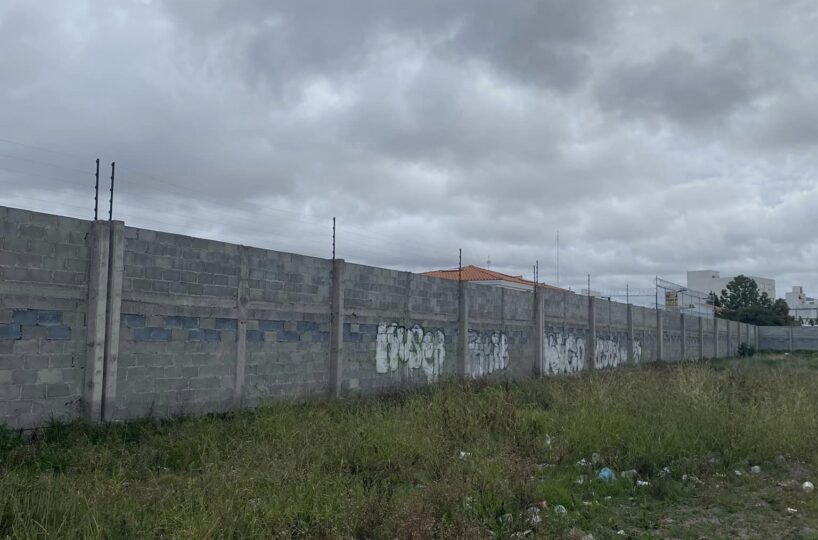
{"x": 475, "y": 273}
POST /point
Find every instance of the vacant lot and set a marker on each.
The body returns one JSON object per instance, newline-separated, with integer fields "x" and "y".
{"x": 453, "y": 461}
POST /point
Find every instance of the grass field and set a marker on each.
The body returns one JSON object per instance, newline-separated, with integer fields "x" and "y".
{"x": 452, "y": 461}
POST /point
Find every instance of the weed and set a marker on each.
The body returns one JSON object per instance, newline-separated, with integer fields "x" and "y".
{"x": 392, "y": 466}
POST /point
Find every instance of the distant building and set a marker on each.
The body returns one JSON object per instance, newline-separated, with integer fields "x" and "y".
{"x": 488, "y": 277}
{"x": 802, "y": 307}
{"x": 708, "y": 281}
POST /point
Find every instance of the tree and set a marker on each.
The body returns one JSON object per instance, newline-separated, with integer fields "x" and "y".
{"x": 741, "y": 301}
{"x": 742, "y": 292}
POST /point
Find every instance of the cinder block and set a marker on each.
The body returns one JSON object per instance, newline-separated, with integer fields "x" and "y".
{"x": 141, "y": 284}
{"x": 34, "y": 362}
{"x": 203, "y": 334}
{"x": 10, "y": 392}
{"x": 172, "y": 385}
{"x": 9, "y": 332}
{"x": 151, "y": 333}
{"x": 49, "y": 376}
{"x": 48, "y": 317}
{"x": 31, "y": 232}
{"x": 61, "y": 361}
{"x": 309, "y": 326}
{"x": 226, "y": 324}
{"x": 67, "y": 278}
{"x": 58, "y": 333}
{"x": 22, "y": 376}
{"x": 34, "y": 332}
{"x": 57, "y": 390}
{"x": 271, "y": 326}
{"x": 24, "y": 316}
{"x": 33, "y": 391}
{"x": 205, "y": 382}
{"x": 177, "y": 321}
{"x": 255, "y": 336}
{"x": 129, "y": 320}
{"x": 161, "y": 286}
{"x": 286, "y": 336}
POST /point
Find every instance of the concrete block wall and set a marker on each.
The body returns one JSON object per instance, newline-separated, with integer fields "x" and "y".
{"x": 611, "y": 345}
{"x": 672, "y": 327}
{"x": 177, "y": 326}
{"x": 645, "y": 333}
{"x": 208, "y": 326}
{"x": 787, "y": 338}
{"x": 110, "y": 323}
{"x": 288, "y": 326}
{"x": 500, "y": 341}
{"x": 44, "y": 268}
{"x": 566, "y": 332}
{"x": 399, "y": 329}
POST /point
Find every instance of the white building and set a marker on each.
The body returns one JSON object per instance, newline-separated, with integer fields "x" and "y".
{"x": 708, "y": 281}
{"x": 802, "y": 307}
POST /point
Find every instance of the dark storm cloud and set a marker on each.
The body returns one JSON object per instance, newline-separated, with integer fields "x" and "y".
{"x": 686, "y": 87}
{"x": 656, "y": 137}
{"x": 275, "y": 44}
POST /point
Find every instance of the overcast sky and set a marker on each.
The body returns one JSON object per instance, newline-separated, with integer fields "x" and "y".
{"x": 657, "y": 137}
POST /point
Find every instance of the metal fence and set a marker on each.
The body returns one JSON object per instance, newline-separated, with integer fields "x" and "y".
{"x": 665, "y": 295}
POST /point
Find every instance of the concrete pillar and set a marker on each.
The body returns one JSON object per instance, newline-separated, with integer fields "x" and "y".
{"x": 336, "y": 367}
{"x": 729, "y": 340}
{"x": 463, "y": 332}
{"x": 660, "y": 336}
{"x": 789, "y": 336}
{"x": 701, "y": 338}
{"x": 242, "y": 302}
{"x": 95, "y": 325}
{"x": 716, "y": 337}
{"x": 630, "y": 339}
{"x": 539, "y": 332}
{"x": 684, "y": 336}
{"x": 116, "y": 270}
{"x": 591, "y": 345}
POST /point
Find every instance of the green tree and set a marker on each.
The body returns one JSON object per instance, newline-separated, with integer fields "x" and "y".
{"x": 743, "y": 292}
{"x": 741, "y": 301}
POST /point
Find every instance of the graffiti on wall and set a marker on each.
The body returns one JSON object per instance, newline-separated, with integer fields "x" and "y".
{"x": 488, "y": 352}
{"x": 414, "y": 347}
{"x": 610, "y": 352}
{"x": 565, "y": 352}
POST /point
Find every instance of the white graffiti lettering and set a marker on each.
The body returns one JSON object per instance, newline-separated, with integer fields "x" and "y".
{"x": 414, "y": 347}
{"x": 564, "y": 353}
{"x": 609, "y": 353}
{"x": 488, "y": 352}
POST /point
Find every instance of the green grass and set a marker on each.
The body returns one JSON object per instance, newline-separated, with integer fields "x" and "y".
{"x": 391, "y": 467}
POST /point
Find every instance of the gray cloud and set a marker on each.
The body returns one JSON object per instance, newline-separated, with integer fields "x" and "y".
{"x": 655, "y": 138}
{"x": 688, "y": 88}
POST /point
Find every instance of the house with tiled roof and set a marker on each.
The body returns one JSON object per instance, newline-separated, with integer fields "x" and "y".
{"x": 488, "y": 277}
